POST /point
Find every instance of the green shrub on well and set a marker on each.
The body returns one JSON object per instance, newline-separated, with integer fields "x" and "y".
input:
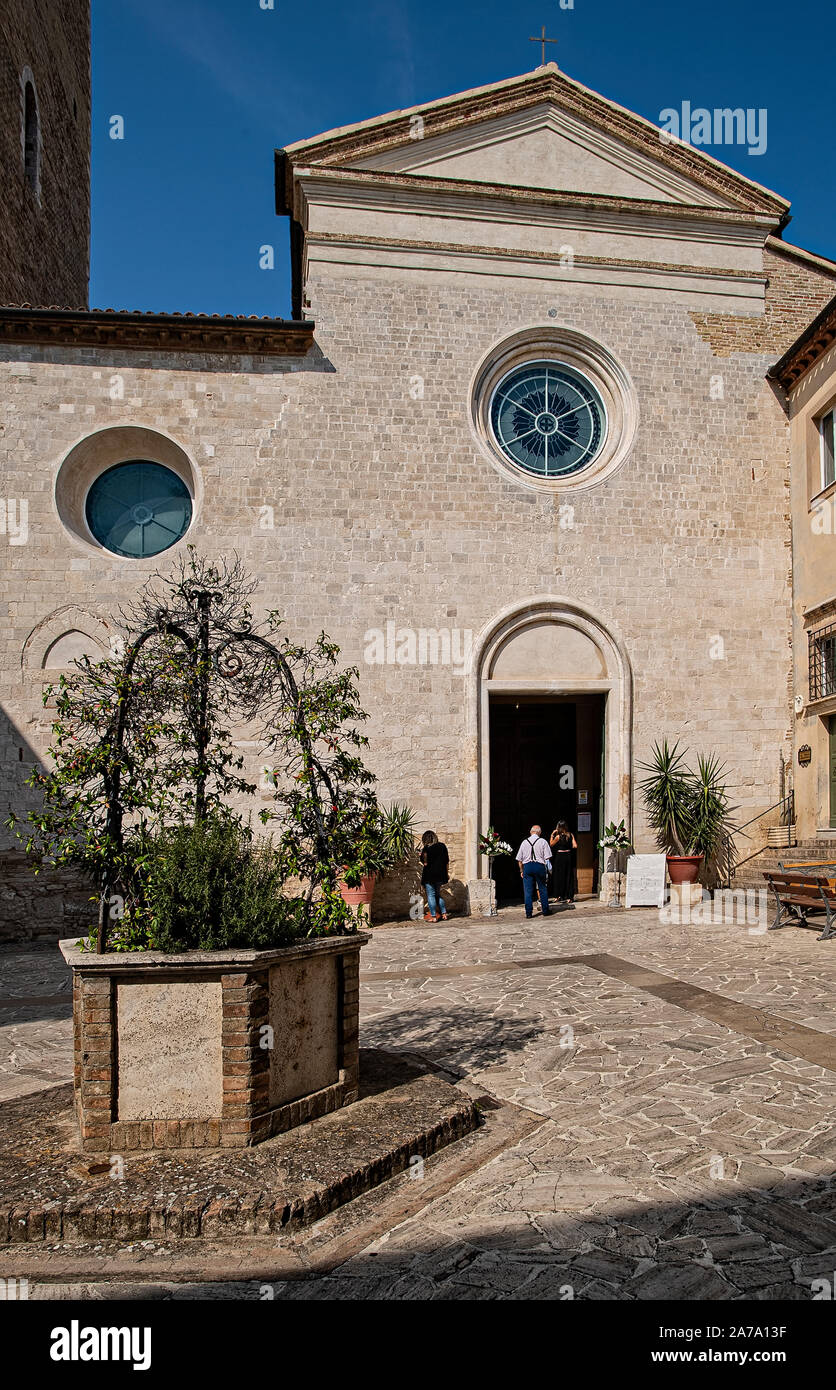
{"x": 214, "y": 886}
{"x": 144, "y": 771}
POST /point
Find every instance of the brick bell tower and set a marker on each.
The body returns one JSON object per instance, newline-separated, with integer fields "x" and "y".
{"x": 45, "y": 152}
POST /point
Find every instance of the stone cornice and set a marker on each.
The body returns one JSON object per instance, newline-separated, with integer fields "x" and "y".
{"x": 825, "y": 608}
{"x": 502, "y": 252}
{"x": 150, "y": 962}
{"x": 542, "y": 117}
{"x": 797, "y": 253}
{"x": 424, "y": 189}
{"x": 728, "y": 290}
{"x": 806, "y": 350}
{"x": 201, "y": 333}
{"x": 374, "y": 137}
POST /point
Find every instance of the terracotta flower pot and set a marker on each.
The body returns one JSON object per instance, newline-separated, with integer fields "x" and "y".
{"x": 358, "y": 897}
{"x": 684, "y": 868}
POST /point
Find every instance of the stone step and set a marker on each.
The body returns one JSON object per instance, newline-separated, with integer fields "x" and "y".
{"x": 175, "y": 1195}
{"x": 750, "y": 874}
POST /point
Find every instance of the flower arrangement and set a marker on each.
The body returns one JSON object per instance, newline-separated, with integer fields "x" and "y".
{"x": 615, "y": 837}
{"x": 491, "y": 845}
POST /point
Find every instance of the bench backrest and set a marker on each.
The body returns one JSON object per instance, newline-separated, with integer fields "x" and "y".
{"x": 807, "y": 864}
{"x": 812, "y": 886}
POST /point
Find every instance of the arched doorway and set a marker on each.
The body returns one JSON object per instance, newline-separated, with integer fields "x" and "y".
{"x": 549, "y": 727}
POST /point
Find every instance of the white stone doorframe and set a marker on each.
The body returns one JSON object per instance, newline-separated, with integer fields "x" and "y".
{"x": 618, "y": 718}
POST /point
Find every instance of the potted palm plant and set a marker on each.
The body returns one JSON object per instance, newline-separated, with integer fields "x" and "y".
{"x": 689, "y": 812}
{"x": 712, "y": 813}
{"x": 386, "y": 840}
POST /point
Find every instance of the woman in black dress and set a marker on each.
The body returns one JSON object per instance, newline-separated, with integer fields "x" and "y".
{"x": 563, "y": 844}
{"x": 435, "y": 861}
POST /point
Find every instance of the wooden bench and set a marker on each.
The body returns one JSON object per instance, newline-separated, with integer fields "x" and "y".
{"x": 819, "y": 864}
{"x": 799, "y": 894}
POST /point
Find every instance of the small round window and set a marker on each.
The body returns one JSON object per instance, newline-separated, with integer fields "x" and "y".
{"x": 138, "y": 509}
{"x": 548, "y": 419}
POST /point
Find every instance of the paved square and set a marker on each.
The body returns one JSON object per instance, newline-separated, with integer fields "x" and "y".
{"x": 684, "y": 1077}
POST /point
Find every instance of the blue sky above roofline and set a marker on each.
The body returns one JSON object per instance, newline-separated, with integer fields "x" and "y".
{"x": 208, "y": 88}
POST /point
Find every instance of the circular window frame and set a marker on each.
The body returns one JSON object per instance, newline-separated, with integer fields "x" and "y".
{"x": 178, "y": 492}
{"x": 592, "y": 360}
{"x": 533, "y": 472}
{"x": 106, "y": 448}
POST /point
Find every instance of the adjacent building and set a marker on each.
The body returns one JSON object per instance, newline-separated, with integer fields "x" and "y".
{"x": 45, "y": 152}
{"x": 806, "y": 374}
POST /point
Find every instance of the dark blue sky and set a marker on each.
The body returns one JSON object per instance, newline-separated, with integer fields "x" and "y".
{"x": 208, "y": 88}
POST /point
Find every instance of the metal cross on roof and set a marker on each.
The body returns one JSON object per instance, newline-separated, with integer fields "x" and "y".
{"x": 541, "y": 39}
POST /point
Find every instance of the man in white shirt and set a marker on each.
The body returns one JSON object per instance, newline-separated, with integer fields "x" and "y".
{"x": 534, "y": 857}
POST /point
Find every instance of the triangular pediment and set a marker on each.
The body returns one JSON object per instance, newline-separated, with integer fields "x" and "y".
{"x": 541, "y": 130}
{"x": 543, "y": 146}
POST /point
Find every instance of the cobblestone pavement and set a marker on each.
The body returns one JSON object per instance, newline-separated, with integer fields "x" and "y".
{"x": 685, "y": 1077}
{"x": 36, "y": 1020}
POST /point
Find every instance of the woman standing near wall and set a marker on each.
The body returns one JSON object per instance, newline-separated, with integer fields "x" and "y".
{"x": 564, "y": 845}
{"x": 434, "y": 874}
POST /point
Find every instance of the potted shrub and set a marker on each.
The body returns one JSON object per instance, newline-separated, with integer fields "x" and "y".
{"x": 215, "y": 999}
{"x": 689, "y": 812}
{"x": 386, "y": 841}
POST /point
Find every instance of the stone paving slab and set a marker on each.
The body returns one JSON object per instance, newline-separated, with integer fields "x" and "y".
{"x": 51, "y": 1193}
{"x": 677, "y": 1154}
{"x": 36, "y": 1030}
{"x": 670, "y": 1137}
{"x": 163, "y": 1269}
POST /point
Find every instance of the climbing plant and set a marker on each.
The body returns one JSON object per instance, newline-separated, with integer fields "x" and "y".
{"x": 143, "y": 742}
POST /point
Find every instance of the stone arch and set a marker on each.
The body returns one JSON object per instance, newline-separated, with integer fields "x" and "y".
{"x": 61, "y": 637}
{"x": 548, "y": 644}
{"x": 102, "y": 448}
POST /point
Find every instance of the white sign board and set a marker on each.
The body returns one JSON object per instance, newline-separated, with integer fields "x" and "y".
{"x": 646, "y": 880}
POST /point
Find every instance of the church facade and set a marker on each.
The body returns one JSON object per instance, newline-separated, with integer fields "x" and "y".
{"x": 517, "y": 452}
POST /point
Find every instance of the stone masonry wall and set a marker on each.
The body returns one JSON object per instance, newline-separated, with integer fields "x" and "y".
{"x": 797, "y": 291}
{"x": 688, "y": 543}
{"x": 44, "y": 239}
{"x": 358, "y": 496}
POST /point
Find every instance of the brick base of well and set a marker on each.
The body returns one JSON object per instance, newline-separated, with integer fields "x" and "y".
{"x": 221, "y": 1048}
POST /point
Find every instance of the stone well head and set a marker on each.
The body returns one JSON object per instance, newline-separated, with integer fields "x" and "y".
{"x": 212, "y": 1048}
